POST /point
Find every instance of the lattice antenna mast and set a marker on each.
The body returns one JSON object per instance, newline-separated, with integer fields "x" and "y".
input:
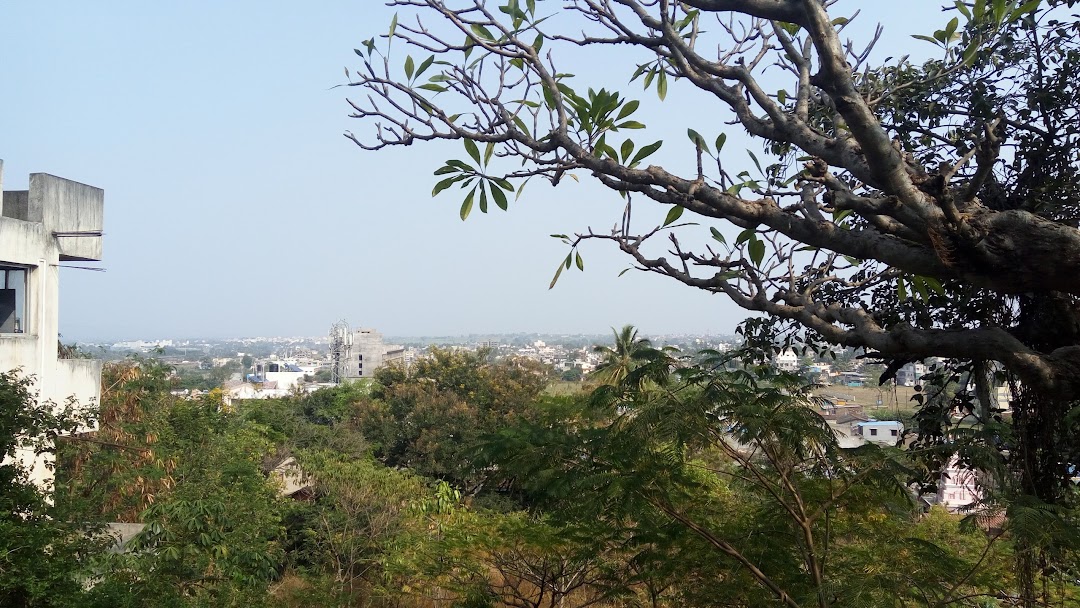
{"x": 340, "y": 351}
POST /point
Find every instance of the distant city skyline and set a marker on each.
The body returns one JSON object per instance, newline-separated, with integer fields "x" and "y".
{"x": 172, "y": 340}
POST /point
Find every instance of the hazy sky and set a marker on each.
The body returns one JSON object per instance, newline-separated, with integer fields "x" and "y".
{"x": 234, "y": 206}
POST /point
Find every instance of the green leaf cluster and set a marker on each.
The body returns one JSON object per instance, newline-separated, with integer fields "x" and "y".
{"x": 467, "y": 175}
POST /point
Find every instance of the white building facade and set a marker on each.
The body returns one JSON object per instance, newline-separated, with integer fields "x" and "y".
{"x": 786, "y": 361}
{"x": 56, "y": 220}
{"x": 958, "y": 488}
{"x": 886, "y": 432}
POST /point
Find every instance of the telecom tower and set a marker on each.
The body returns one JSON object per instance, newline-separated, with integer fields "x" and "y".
{"x": 340, "y": 351}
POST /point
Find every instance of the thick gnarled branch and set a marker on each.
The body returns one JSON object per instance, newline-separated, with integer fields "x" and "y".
{"x": 864, "y": 195}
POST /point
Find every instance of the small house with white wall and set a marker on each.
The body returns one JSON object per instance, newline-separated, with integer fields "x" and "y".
{"x": 285, "y": 376}
{"x": 55, "y": 220}
{"x": 879, "y": 431}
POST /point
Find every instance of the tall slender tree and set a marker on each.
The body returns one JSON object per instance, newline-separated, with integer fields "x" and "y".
{"x": 621, "y": 358}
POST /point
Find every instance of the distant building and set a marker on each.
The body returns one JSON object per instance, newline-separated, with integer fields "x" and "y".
{"x": 879, "y": 431}
{"x": 369, "y": 353}
{"x": 291, "y": 480}
{"x": 234, "y": 391}
{"x": 787, "y": 361}
{"x": 957, "y": 488}
{"x": 56, "y": 220}
{"x": 842, "y": 410}
{"x": 911, "y": 374}
{"x": 284, "y": 376}
{"x": 850, "y": 378}
{"x": 1003, "y": 398}
{"x": 141, "y": 345}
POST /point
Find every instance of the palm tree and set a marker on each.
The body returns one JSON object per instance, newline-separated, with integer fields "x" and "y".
{"x": 623, "y": 358}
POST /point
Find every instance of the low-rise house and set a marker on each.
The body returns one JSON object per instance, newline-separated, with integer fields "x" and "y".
{"x": 238, "y": 391}
{"x": 850, "y": 378}
{"x": 283, "y": 375}
{"x": 879, "y": 431}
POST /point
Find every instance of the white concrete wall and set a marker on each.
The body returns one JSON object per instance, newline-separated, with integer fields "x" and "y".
{"x": 957, "y": 488}
{"x": 285, "y": 380}
{"x": 290, "y": 477}
{"x": 884, "y": 430}
{"x": 76, "y": 377}
{"x": 787, "y": 361}
{"x": 53, "y": 205}
{"x": 67, "y": 207}
{"x": 20, "y": 351}
{"x": 24, "y": 242}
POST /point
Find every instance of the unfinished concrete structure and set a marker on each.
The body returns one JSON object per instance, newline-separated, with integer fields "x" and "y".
{"x": 357, "y": 354}
{"x": 55, "y": 220}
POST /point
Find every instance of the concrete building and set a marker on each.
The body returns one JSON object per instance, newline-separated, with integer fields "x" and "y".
{"x": 55, "y": 220}
{"x": 246, "y": 391}
{"x": 282, "y": 375}
{"x": 879, "y": 431}
{"x": 369, "y": 353}
{"x": 910, "y": 374}
{"x": 787, "y": 361}
{"x": 958, "y": 488}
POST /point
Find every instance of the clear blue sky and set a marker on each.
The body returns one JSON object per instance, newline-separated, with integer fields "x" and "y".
{"x": 234, "y": 206}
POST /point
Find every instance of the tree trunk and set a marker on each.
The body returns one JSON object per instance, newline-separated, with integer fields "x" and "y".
{"x": 1040, "y": 459}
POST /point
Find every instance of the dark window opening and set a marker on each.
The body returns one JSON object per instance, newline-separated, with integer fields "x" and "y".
{"x": 873, "y": 431}
{"x": 12, "y": 300}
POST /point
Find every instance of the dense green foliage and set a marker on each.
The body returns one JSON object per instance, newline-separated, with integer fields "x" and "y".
{"x": 682, "y": 484}
{"x": 39, "y": 550}
{"x": 915, "y": 202}
{"x": 685, "y": 469}
{"x": 430, "y": 417}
